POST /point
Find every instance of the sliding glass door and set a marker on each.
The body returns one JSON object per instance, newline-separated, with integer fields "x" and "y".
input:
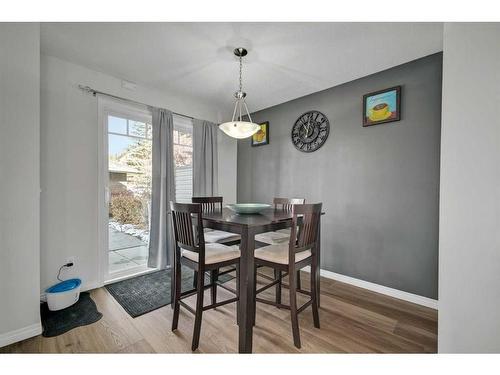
{"x": 128, "y": 181}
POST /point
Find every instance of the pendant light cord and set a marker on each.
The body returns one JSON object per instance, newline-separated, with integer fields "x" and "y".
{"x": 241, "y": 74}
{"x": 241, "y": 128}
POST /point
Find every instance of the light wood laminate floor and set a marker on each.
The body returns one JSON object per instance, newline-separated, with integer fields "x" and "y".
{"x": 353, "y": 320}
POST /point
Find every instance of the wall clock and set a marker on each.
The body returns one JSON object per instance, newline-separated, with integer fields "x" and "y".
{"x": 310, "y": 131}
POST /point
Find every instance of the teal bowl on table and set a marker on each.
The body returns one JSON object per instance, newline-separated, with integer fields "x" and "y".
{"x": 248, "y": 208}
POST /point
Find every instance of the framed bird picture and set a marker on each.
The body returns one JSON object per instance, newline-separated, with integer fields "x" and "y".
{"x": 382, "y": 106}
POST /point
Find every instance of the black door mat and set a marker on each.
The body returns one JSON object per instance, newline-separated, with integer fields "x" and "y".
{"x": 82, "y": 313}
{"x": 142, "y": 294}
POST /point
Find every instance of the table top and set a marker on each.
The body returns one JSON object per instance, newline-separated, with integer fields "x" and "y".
{"x": 266, "y": 217}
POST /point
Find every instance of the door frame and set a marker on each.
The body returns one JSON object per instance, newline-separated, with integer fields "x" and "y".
{"x": 107, "y": 106}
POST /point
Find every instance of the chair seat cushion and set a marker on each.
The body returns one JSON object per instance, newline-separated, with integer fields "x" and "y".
{"x": 214, "y": 253}
{"x": 273, "y": 238}
{"x": 279, "y": 254}
{"x": 286, "y": 231}
{"x": 219, "y": 236}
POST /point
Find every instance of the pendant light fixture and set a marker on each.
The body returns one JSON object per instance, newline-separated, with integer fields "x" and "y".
{"x": 237, "y": 127}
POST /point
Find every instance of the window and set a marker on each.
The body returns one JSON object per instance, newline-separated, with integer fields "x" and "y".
{"x": 133, "y": 128}
{"x": 183, "y": 156}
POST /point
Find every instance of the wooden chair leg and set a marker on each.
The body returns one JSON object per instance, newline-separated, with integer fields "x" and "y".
{"x": 293, "y": 309}
{"x": 195, "y": 279}
{"x": 199, "y": 310}
{"x": 254, "y": 312}
{"x": 298, "y": 280}
{"x": 238, "y": 294}
{"x": 314, "y": 296}
{"x": 177, "y": 295}
{"x": 214, "y": 276}
{"x": 277, "y": 276}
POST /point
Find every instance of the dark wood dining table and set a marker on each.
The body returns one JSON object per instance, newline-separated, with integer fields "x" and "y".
{"x": 247, "y": 226}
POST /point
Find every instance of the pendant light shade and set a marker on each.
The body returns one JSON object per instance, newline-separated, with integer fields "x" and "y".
{"x": 238, "y": 127}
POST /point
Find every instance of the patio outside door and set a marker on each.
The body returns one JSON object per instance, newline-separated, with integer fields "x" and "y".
{"x": 127, "y": 189}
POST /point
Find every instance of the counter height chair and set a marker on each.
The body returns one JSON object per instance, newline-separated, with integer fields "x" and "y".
{"x": 214, "y": 204}
{"x": 192, "y": 251}
{"x": 300, "y": 252}
{"x": 280, "y": 236}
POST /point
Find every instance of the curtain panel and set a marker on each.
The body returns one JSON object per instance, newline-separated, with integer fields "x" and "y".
{"x": 161, "y": 242}
{"x": 205, "y": 164}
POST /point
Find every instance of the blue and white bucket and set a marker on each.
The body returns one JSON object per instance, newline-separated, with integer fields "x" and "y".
{"x": 63, "y": 294}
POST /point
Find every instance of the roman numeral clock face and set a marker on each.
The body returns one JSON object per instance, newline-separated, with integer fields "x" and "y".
{"x": 310, "y": 131}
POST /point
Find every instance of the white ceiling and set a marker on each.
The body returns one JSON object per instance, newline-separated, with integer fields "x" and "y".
{"x": 285, "y": 61}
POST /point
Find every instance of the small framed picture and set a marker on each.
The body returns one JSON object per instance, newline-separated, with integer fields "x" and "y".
{"x": 382, "y": 106}
{"x": 261, "y": 138}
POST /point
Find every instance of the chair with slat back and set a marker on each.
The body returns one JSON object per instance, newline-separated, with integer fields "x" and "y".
{"x": 212, "y": 205}
{"x": 300, "y": 252}
{"x": 192, "y": 251}
{"x": 280, "y": 204}
{"x": 209, "y": 204}
{"x": 286, "y": 204}
{"x": 280, "y": 236}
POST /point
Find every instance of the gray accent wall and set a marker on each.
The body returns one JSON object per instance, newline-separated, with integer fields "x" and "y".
{"x": 379, "y": 185}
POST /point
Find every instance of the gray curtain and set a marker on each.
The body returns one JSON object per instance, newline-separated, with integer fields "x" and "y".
{"x": 163, "y": 190}
{"x": 205, "y": 165}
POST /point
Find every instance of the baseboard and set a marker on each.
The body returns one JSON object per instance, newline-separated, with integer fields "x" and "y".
{"x": 20, "y": 334}
{"x": 405, "y": 296}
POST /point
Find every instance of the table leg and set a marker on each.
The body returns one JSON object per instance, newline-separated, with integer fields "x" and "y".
{"x": 247, "y": 297}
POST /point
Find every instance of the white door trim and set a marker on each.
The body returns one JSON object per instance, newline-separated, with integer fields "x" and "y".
{"x": 102, "y": 192}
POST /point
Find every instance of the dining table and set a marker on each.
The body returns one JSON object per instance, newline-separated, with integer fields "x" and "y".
{"x": 247, "y": 226}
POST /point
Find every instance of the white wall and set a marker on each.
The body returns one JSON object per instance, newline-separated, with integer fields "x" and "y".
{"x": 20, "y": 181}
{"x": 69, "y": 163}
{"x": 469, "y": 252}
